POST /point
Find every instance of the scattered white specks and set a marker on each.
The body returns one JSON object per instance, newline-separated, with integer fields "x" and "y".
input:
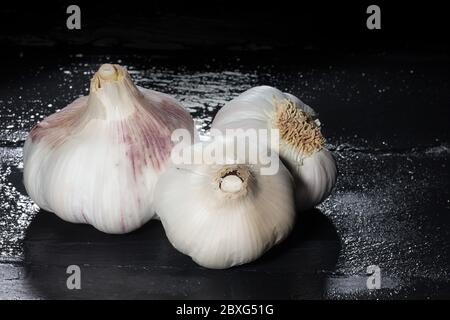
{"x": 378, "y": 200}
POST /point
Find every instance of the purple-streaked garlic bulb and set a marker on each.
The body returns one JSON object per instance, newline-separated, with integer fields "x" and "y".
{"x": 97, "y": 161}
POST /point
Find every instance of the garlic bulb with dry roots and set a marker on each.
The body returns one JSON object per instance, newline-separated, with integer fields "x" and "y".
{"x": 224, "y": 214}
{"x": 301, "y": 142}
{"x": 98, "y": 159}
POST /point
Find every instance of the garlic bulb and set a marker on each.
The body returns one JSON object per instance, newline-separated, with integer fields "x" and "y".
{"x": 98, "y": 159}
{"x": 301, "y": 142}
{"x": 227, "y": 213}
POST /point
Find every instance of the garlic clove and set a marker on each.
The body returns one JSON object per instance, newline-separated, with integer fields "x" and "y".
{"x": 301, "y": 142}
{"x": 97, "y": 161}
{"x": 224, "y": 215}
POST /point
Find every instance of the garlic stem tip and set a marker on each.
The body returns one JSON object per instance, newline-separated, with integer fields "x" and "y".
{"x": 107, "y": 72}
{"x": 231, "y": 183}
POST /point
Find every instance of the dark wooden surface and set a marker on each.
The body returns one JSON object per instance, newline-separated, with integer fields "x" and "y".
{"x": 386, "y": 120}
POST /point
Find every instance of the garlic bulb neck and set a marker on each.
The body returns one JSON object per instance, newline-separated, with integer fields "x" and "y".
{"x": 297, "y": 128}
{"x": 110, "y": 76}
{"x": 113, "y": 95}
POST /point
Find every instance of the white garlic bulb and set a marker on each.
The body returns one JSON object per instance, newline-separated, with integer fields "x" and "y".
{"x": 224, "y": 214}
{"x": 97, "y": 161}
{"x": 301, "y": 142}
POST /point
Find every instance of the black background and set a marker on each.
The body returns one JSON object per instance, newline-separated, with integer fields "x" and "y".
{"x": 377, "y": 213}
{"x": 329, "y": 26}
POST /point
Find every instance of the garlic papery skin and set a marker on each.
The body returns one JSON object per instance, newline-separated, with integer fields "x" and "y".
{"x": 97, "y": 160}
{"x": 224, "y": 214}
{"x": 301, "y": 142}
